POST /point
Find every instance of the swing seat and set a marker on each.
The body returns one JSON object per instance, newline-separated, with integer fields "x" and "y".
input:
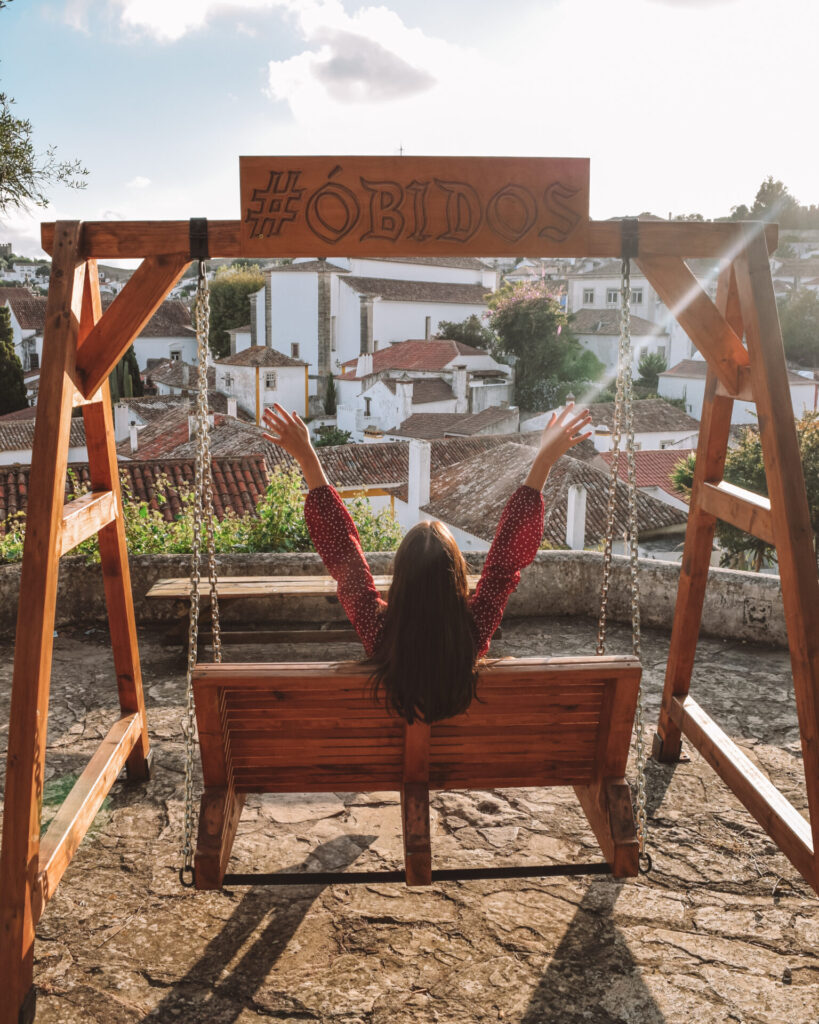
{"x": 314, "y": 728}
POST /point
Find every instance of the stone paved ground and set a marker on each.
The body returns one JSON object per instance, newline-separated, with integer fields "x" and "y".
{"x": 723, "y": 930}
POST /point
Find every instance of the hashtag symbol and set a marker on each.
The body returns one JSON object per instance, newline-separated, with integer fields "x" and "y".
{"x": 273, "y": 206}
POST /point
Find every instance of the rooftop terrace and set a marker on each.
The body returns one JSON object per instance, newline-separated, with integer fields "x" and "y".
{"x": 722, "y": 930}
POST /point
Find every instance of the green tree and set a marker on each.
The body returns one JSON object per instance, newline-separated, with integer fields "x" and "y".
{"x": 12, "y": 383}
{"x": 799, "y": 317}
{"x": 533, "y": 334}
{"x": 125, "y": 379}
{"x": 328, "y": 437}
{"x": 230, "y": 290}
{"x": 330, "y": 397}
{"x": 470, "y": 331}
{"x": 651, "y": 365}
{"x": 744, "y": 467}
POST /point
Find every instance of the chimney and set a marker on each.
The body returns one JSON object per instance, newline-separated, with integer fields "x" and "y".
{"x": 186, "y": 375}
{"x": 418, "y": 480}
{"x": 231, "y": 406}
{"x": 364, "y": 366}
{"x": 133, "y": 434}
{"x": 459, "y": 386}
{"x": 403, "y": 392}
{"x": 191, "y": 427}
{"x": 121, "y": 421}
{"x": 576, "y": 517}
{"x": 366, "y": 330}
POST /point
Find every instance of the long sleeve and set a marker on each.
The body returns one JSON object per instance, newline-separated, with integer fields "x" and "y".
{"x": 336, "y": 539}
{"x": 516, "y": 543}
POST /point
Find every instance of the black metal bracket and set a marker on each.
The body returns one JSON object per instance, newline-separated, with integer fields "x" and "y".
{"x": 198, "y": 238}
{"x": 629, "y": 238}
{"x": 441, "y": 875}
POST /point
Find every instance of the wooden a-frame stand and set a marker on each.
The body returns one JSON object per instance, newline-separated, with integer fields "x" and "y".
{"x": 81, "y": 347}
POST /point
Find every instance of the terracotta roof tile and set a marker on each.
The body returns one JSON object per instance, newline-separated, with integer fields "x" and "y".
{"x": 607, "y": 322}
{"x": 431, "y": 355}
{"x": 440, "y": 424}
{"x": 29, "y": 309}
{"x": 652, "y": 467}
{"x": 698, "y": 367}
{"x": 28, "y": 413}
{"x": 19, "y": 434}
{"x": 175, "y": 373}
{"x": 650, "y": 415}
{"x": 450, "y": 262}
{"x": 425, "y": 389}
{"x": 394, "y": 290}
{"x": 259, "y": 355}
{"x": 308, "y": 267}
{"x": 171, "y": 320}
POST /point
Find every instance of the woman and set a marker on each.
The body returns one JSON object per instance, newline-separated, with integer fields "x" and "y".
{"x": 425, "y": 644}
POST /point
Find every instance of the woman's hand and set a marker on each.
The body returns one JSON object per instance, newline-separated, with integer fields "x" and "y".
{"x": 561, "y": 433}
{"x": 290, "y": 432}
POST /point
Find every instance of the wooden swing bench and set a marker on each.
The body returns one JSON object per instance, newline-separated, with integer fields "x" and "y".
{"x": 315, "y": 728}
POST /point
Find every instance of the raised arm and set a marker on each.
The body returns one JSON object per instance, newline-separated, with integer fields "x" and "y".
{"x": 332, "y": 529}
{"x": 520, "y": 530}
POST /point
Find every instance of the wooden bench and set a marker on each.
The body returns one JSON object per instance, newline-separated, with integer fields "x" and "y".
{"x": 313, "y": 728}
{"x": 231, "y": 588}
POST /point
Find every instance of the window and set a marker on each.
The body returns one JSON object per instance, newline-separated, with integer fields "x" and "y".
{"x": 271, "y": 380}
{"x": 228, "y": 383}
{"x": 427, "y": 326}
{"x": 661, "y": 351}
{"x": 176, "y": 355}
{"x": 367, "y": 406}
{"x": 637, "y": 296}
{"x": 588, "y": 296}
{"x": 668, "y": 443}
{"x": 612, "y": 295}
{"x": 294, "y": 349}
{"x": 33, "y": 361}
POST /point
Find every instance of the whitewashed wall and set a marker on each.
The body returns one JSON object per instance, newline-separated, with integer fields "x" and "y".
{"x": 161, "y": 348}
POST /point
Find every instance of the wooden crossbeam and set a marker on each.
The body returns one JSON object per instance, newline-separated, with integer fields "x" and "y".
{"x": 79, "y": 808}
{"x": 138, "y": 239}
{"x": 85, "y": 516}
{"x": 780, "y": 819}
{"x": 698, "y": 316}
{"x": 114, "y": 332}
{"x": 739, "y": 507}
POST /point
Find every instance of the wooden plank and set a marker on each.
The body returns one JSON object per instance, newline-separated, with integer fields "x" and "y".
{"x": 138, "y": 239}
{"x": 698, "y": 316}
{"x": 789, "y": 506}
{"x": 739, "y": 507}
{"x": 85, "y": 516}
{"x": 712, "y": 447}
{"x": 777, "y": 816}
{"x": 114, "y": 332}
{"x": 28, "y": 719}
{"x": 266, "y": 586}
{"x": 80, "y": 807}
{"x": 219, "y": 813}
{"x": 103, "y": 468}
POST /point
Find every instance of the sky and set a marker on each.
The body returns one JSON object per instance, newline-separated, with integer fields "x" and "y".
{"x": 682, "y": 105}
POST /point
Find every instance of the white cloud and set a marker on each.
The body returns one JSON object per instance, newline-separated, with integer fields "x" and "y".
{"x": 138, "y": 182}
{"x": 170, "y": 20}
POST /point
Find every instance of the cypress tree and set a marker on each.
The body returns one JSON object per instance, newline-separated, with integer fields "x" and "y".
{"x": 12, "y": 384}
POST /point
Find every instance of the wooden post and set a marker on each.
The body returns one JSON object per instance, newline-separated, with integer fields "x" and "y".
{"x": 104, "y": 471}
{"x": 28, "y": 723}
{"x": 415, "y": 805}
{"x": 712, "y": 447}
{"x": 789, "y": 504}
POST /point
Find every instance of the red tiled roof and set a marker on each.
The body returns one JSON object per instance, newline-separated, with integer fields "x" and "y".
{"x": 698, "y": 367}
{"x": 18, "y": 435}
{"x": 28, "y": 413}
{"x": 440, "y": 424}
{"x": 472, "y": 494}
{"x": 171, "y": 320}
{"x": 29, "y": 309}
{"x": 237, "y": 485}
{"x": 450, "y": 262}
{"x": 652, "y": 467}
{"x": 171, "y": 373}
{"x": 391, "y": 289}
{"x": 430, "y": 355}
{"x": 307, "y": 266}
{"x": 425, "y": 389}
{"x": 650, "y": 415}
{"x": 606, "y": 322}
{"x": 259, "y": 355}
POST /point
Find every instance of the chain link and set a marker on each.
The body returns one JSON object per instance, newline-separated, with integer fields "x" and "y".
{"x": 624, "y": 424}
{"x": 202, "y": 513}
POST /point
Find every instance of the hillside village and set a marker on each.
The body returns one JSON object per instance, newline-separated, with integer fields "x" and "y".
{"x": 355, "y": 347}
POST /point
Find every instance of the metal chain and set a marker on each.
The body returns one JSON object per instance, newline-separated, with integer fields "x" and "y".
{"x": 624, "y": 424}
{"x": 202, "y": 511}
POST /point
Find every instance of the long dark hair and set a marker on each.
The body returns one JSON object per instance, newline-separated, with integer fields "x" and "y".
{"x": 426, "y": 662}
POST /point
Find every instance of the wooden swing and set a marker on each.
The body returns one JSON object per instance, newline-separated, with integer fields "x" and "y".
{"x": 381, "y": 207}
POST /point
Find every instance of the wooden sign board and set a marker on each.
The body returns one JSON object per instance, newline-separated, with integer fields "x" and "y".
{"x": 413, "y": 206}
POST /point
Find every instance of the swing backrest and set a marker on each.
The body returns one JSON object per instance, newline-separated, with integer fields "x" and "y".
{"x": 314, "y": 727}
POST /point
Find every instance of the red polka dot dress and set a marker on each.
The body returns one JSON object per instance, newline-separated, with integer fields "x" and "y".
{"x": 334, "y": 534}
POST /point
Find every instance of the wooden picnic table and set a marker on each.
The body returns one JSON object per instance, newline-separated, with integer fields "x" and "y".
{"x": 248, "y": 587}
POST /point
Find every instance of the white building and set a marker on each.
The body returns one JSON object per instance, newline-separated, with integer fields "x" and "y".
{"x": 27, "y": 324}
{"x": 657, "y": 425}
{"x": 328, "y": 313}
{"x": 169, "y": 334}
{"x": 258, "y": 377}
{"x": 598, "y": 330}
{"x": 686, "y": 380}
{"x": 595, "y": 285}
{"x": 17, "y": 438}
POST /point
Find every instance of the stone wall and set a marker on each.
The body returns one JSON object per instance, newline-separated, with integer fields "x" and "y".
{"x": 739, "y": 605}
